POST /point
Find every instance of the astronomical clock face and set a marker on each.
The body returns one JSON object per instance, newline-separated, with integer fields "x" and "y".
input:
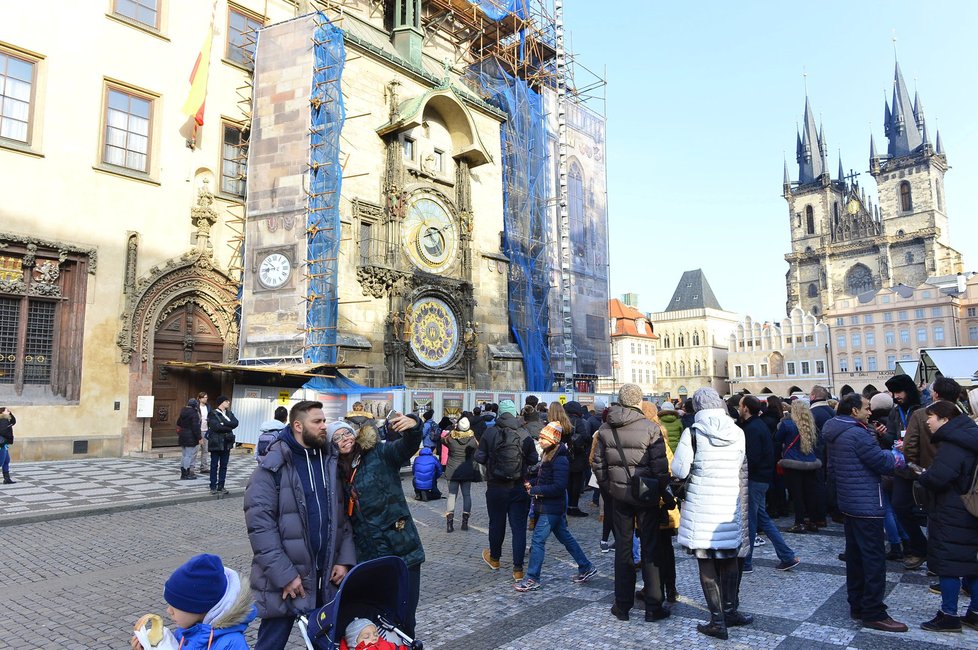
{"x": 434, "y": 332}
{"x": 430, "y": 234}
{"x": 274, "y": 270}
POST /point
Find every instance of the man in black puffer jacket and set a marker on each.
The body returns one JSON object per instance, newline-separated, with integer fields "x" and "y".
{"x": 578, "y": 443}
{"x": 643, "y": 448}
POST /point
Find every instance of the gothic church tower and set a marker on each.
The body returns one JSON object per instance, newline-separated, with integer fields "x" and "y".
{"x": 842, "y": 245}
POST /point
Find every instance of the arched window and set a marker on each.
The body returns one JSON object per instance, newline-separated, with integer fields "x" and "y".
{"x": 859, "y": 280}
{"x": 682, "y": 368}
{"x": 812, "y": 291}
{"x": 835, "y": 212}
{"x": 682, "y": 340}
{"x": 665, "y": 341}
{"x": 697, "y": 369}
{"x": 810, "y": 219}
{"x": 906, "y": 200}
{"x": 696, "y": 338}
{"x": 668, "y": 369}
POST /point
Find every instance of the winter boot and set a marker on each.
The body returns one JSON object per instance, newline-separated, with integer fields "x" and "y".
{"x": 183, "y": 474}
{"x": 190, "y": 474}
{"x": 465, "y": 521}
{"x": 730, "y": 588}
{"x": 450, "y": 525}
{"x": 710, "y": 581}
{"x": 7, "y": 480}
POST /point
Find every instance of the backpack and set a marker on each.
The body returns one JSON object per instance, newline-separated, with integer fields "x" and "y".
{"x": 266, "y": 438}
{"x": 507, "y": 456}
{"x": 430, "y": 427}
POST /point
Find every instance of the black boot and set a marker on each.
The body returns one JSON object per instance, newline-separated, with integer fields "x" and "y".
{"x": 730, "y": 588}
{"x": 450, "y": 525}
{"x": 465, "y": 521}
{"x": 7, "y": 480}
{"x": 710, "y": 581}
{"x": 183, "y": 474}
{"x": 190, "y": 474}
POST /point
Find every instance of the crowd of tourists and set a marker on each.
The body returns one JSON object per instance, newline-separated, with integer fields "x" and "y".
{"x": 709, "y": 473}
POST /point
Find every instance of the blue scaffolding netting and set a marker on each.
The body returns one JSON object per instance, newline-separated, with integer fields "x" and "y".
{"x": 526, "y": 193}
{"x": 325, "y": 177}
{"x": 499, "y": 9}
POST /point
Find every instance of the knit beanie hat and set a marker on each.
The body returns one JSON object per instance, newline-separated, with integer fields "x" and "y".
{"x": 707, "y": 398}
{"x": 335, "y": 429}
{"x": 630, "y": 395}
{"x": 353, "y": 630}
{"x": 197, "y": 585}
{"x": 221, "y": 400}
{"x": 600, "y": 405}
{"x": 462, "y": 424}
{"x": 550, "y": 434}
{"x": 667, "y": 406}
{"x": 881, "y": 401}
{"x": 507, "y": 406}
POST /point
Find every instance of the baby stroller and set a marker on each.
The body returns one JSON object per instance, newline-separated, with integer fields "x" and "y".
{"x": 376, "y": 590}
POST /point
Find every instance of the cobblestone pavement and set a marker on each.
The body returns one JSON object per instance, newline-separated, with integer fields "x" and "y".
{"x": 78, "y": 581}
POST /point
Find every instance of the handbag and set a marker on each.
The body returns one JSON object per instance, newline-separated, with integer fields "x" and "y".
{"x": 779, "y": 468}
{"x": 970, "y": 498}
{"x": 643, "y": 489}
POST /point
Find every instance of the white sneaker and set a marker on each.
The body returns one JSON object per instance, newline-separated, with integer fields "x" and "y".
{"x": 759, "y": 541}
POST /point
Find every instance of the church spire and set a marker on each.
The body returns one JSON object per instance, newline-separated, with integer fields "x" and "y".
{"x": 811, "y": 150}
{"x": 901, "y": 125}
{"x": 842, "y": 174}
{"x": 939, "y": 147}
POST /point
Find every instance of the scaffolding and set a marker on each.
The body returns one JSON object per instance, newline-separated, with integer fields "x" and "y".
{"x": 327, "y": 114}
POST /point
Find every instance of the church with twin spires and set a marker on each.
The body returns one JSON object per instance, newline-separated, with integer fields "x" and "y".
{"x": 842, "y": 244}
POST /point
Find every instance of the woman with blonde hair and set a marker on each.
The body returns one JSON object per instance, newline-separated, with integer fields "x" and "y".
{"x": 798, "y": 438}
{"x": 665, "y": 557}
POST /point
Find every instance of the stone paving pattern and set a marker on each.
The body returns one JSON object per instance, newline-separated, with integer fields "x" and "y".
{"x": 81, "y": 576}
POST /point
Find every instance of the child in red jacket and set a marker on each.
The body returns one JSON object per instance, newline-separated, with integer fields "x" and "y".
{"x": 362, "y": 634}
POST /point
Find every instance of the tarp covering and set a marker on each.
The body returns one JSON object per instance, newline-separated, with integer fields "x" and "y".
{"x": 325, "y": 174}
{"x": 499, "y": 9}
{"x": 525, "y": 213}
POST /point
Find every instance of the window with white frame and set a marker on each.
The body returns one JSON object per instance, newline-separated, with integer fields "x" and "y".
{"x": 889, "y": 337}
{"x": 973, "y": 334}
{"x": 857, "y": 340}
{"x": 888, "y": 316}
{"x": 871, "y": 363}
{"x": 16, "y": 96}
{"x": 739, "y": 371}
{"x": 938, "y": 334}
{"x": 868, "y": 319}
{"x": 843, "y": 364}
{"x": 918, "y": 313}
{"x": 857, "y": 364}
{"x": 840, "y": 342}
{"x": 904, "y": 337}
{"x": 763, "y": 370}
{"x": 839, "y": 322}
{"x": 921, "y": 335}
{"x": 790, "y": 366}
{"x": 870, "y": 338}
{"x": 806, "y": 368}
{"x": 891, "y": 362}
{"x": 936, "y": 312}
{"x": 820, "y": 367}
{"x": 145, "y": 12}
{"x": 128, "y": 120}
{"x": 750, "y": 369}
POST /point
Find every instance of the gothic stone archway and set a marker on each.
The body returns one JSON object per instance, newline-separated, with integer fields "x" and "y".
{"x": 190, "y": 284}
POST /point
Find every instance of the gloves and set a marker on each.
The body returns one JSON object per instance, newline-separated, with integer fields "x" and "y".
{"x": 668, "y": 498}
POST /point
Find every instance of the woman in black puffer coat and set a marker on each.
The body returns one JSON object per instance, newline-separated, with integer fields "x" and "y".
{"x": 952, "y": 547}
{"x": 461, "y": 471}
{"x": 188, "y": 437}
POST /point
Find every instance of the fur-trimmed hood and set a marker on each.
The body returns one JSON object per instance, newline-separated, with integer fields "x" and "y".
{"x": 367, "y": 437}
{"x": 242, "y": 610}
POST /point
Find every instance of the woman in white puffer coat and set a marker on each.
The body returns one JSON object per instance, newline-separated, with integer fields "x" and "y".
{"x": 713, "y": 519}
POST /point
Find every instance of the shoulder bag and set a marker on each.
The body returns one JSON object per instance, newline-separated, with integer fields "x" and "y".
{"x": 644, "y": 490}
{"x": 970, "y": 498}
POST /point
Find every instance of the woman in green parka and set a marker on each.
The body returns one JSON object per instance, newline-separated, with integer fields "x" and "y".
{"x": 672, "y": 423}
{"x": 370, "y": 473}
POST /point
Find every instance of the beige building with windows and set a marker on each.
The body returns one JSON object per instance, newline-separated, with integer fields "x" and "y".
{"x": 782, "y": 358}
{"x": 119, "y": 219}
{"x": 869, "y": 333}
{"x": 694, "y": 332}
{"x": 632, "y": 348}
{"x": 969, "y": 312}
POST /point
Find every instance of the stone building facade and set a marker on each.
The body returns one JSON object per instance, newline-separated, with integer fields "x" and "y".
{"x": 869, "y": 333}
{"x": 841, "y": 244}
{"x": 782, "y": 358}
{"x": 694, "y": 333}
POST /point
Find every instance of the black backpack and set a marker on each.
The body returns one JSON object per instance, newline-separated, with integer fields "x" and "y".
{"x": 507, "y": 457}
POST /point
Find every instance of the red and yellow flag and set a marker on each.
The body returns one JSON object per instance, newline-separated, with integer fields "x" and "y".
{"x": 194, "y": 106}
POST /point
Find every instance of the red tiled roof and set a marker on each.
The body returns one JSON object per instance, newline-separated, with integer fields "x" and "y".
{"x": 626, "y": 318}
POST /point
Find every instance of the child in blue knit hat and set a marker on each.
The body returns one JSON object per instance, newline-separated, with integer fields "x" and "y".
{"x": 209, "y": 606}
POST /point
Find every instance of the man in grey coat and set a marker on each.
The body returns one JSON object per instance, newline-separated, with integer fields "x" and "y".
{"x": 299, "y": 530}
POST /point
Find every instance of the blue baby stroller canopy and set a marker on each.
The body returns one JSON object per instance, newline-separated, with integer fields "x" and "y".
{"x": 377, "y": 590}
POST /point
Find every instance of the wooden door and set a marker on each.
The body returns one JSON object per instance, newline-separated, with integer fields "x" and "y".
{"x": 186, "y": 335}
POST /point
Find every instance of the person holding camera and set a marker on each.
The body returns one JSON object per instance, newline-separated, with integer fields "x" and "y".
{"x": 221, "y": 424}
{"x": 630, "y": 464}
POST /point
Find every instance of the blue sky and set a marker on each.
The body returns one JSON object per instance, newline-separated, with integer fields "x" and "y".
{"x": 703, "y": 102}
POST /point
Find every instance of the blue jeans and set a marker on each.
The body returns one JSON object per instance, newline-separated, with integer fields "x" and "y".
{"x": 757, "y": 517}
{"x": 556, "y": 524}
{"x": 219, "y": 468}
{"x": 273, "y": 633}
{"x": 951, "y": 587}
{"x": 4, "y": 459}
{"x": 894, "y": 531}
